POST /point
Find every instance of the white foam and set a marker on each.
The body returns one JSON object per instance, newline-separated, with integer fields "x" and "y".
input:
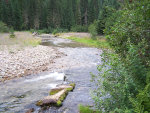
{"x": 56, "y": 76}
{"x": 51, "y": 85}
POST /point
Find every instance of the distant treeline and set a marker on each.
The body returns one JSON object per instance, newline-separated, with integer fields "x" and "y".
{"x": 43, "y": 14}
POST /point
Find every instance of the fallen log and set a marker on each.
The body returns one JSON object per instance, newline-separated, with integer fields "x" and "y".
{"x": 57, "y": 96}
{"x": 58, "y": 89}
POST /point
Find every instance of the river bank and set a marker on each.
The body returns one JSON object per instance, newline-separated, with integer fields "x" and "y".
{"x": 62, "y": 57}
{"x": 22, "y": 55}
{"x": 28, "y": 61}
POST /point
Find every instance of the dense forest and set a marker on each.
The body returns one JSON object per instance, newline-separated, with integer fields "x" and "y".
{"x": 44, "y": 14}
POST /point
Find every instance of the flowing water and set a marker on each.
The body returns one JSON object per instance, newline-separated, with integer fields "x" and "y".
{"x": 19, "y": 95}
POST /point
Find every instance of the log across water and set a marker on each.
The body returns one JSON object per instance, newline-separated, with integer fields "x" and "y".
{"x": 57, "y": 96}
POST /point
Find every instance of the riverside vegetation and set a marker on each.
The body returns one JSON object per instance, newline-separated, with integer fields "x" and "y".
{"x": 98, "y": 43}
{"x": 123, "y": 82}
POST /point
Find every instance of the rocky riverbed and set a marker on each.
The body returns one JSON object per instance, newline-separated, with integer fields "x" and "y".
{"x": 60, "y": 57}
{"x": 30, "y": 60}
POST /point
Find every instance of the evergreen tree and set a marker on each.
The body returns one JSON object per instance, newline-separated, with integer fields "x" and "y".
{"x": 16, "y": 15}
{"x": 41, "y": 14}
{"x": 93, "y": 10}
{"x": 84, "y": 11}
{"x": 78, "y": 13}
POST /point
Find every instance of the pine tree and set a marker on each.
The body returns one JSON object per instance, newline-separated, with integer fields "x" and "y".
{"x": 16, "y": 15}
{"x": 37, "y": 14}
{"x": 84, "y": 11}
{"x": 41, "y": 14}
{"x": 78, "y": 13}
{"x": 93, "y": 10}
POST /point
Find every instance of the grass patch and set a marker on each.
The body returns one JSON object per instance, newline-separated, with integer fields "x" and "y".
{"x": 31, "y": 42}
{"x": 98, "y": 43}
{"x": 21, "y": 39}
{"x": 87, "y": 109}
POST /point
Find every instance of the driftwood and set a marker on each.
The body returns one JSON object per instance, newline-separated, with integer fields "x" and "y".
{"x": 57, "y": 95}
{"x": 53, "y": 99}
{"x": 57, "y": 89}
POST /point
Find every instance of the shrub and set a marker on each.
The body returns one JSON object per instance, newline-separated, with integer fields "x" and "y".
{"x": 79, "y": 28}
{"x": 3, "y": 28}
{"x": 92, "y": 29}
{"x": 32, "y": 30}
{"x": 123, "y": 79}
{"x": 112, "y": 89}
{"x": 59, "y": 30}
{"x": 132, "y": 24}
{"x": 12, "y": 35}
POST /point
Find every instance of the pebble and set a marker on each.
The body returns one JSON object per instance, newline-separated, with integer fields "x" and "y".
{"x": 26, "y": 61}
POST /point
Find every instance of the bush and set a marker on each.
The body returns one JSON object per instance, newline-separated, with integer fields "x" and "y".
{"x": 12, "y": 35}
{"x": 32, "y": 30}
{"x": 3, "y": 28}
{"x": 112, "y": 89}
{"x": 79, "y": 28}
{"x": 92, "y": 29}
{"x": 132, "y": 25}
{"x": 123, "y": 79}
{"x": 59, "y": 30}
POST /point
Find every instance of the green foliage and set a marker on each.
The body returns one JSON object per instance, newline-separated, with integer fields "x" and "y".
{"x": 41, "y": 14}
{"x": 104, "y": 15}
{"x": 12, "y": 35}
{"x": 141, "y": 103}
{"x": 32, "y": 30}
{"x": 99, "y": 43}
{"x": 59, "y": 30}
{"x": 123, "y": 84}
{"x": 3, "y": 28}
{"x": 132, "y": 25}
{"x": 112, "y": 92}
{"x": 79, "y": 28}
{"x": 48, "y": 30}
{"x": 87, "y": 109}
{"x": 92, "y": 29}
